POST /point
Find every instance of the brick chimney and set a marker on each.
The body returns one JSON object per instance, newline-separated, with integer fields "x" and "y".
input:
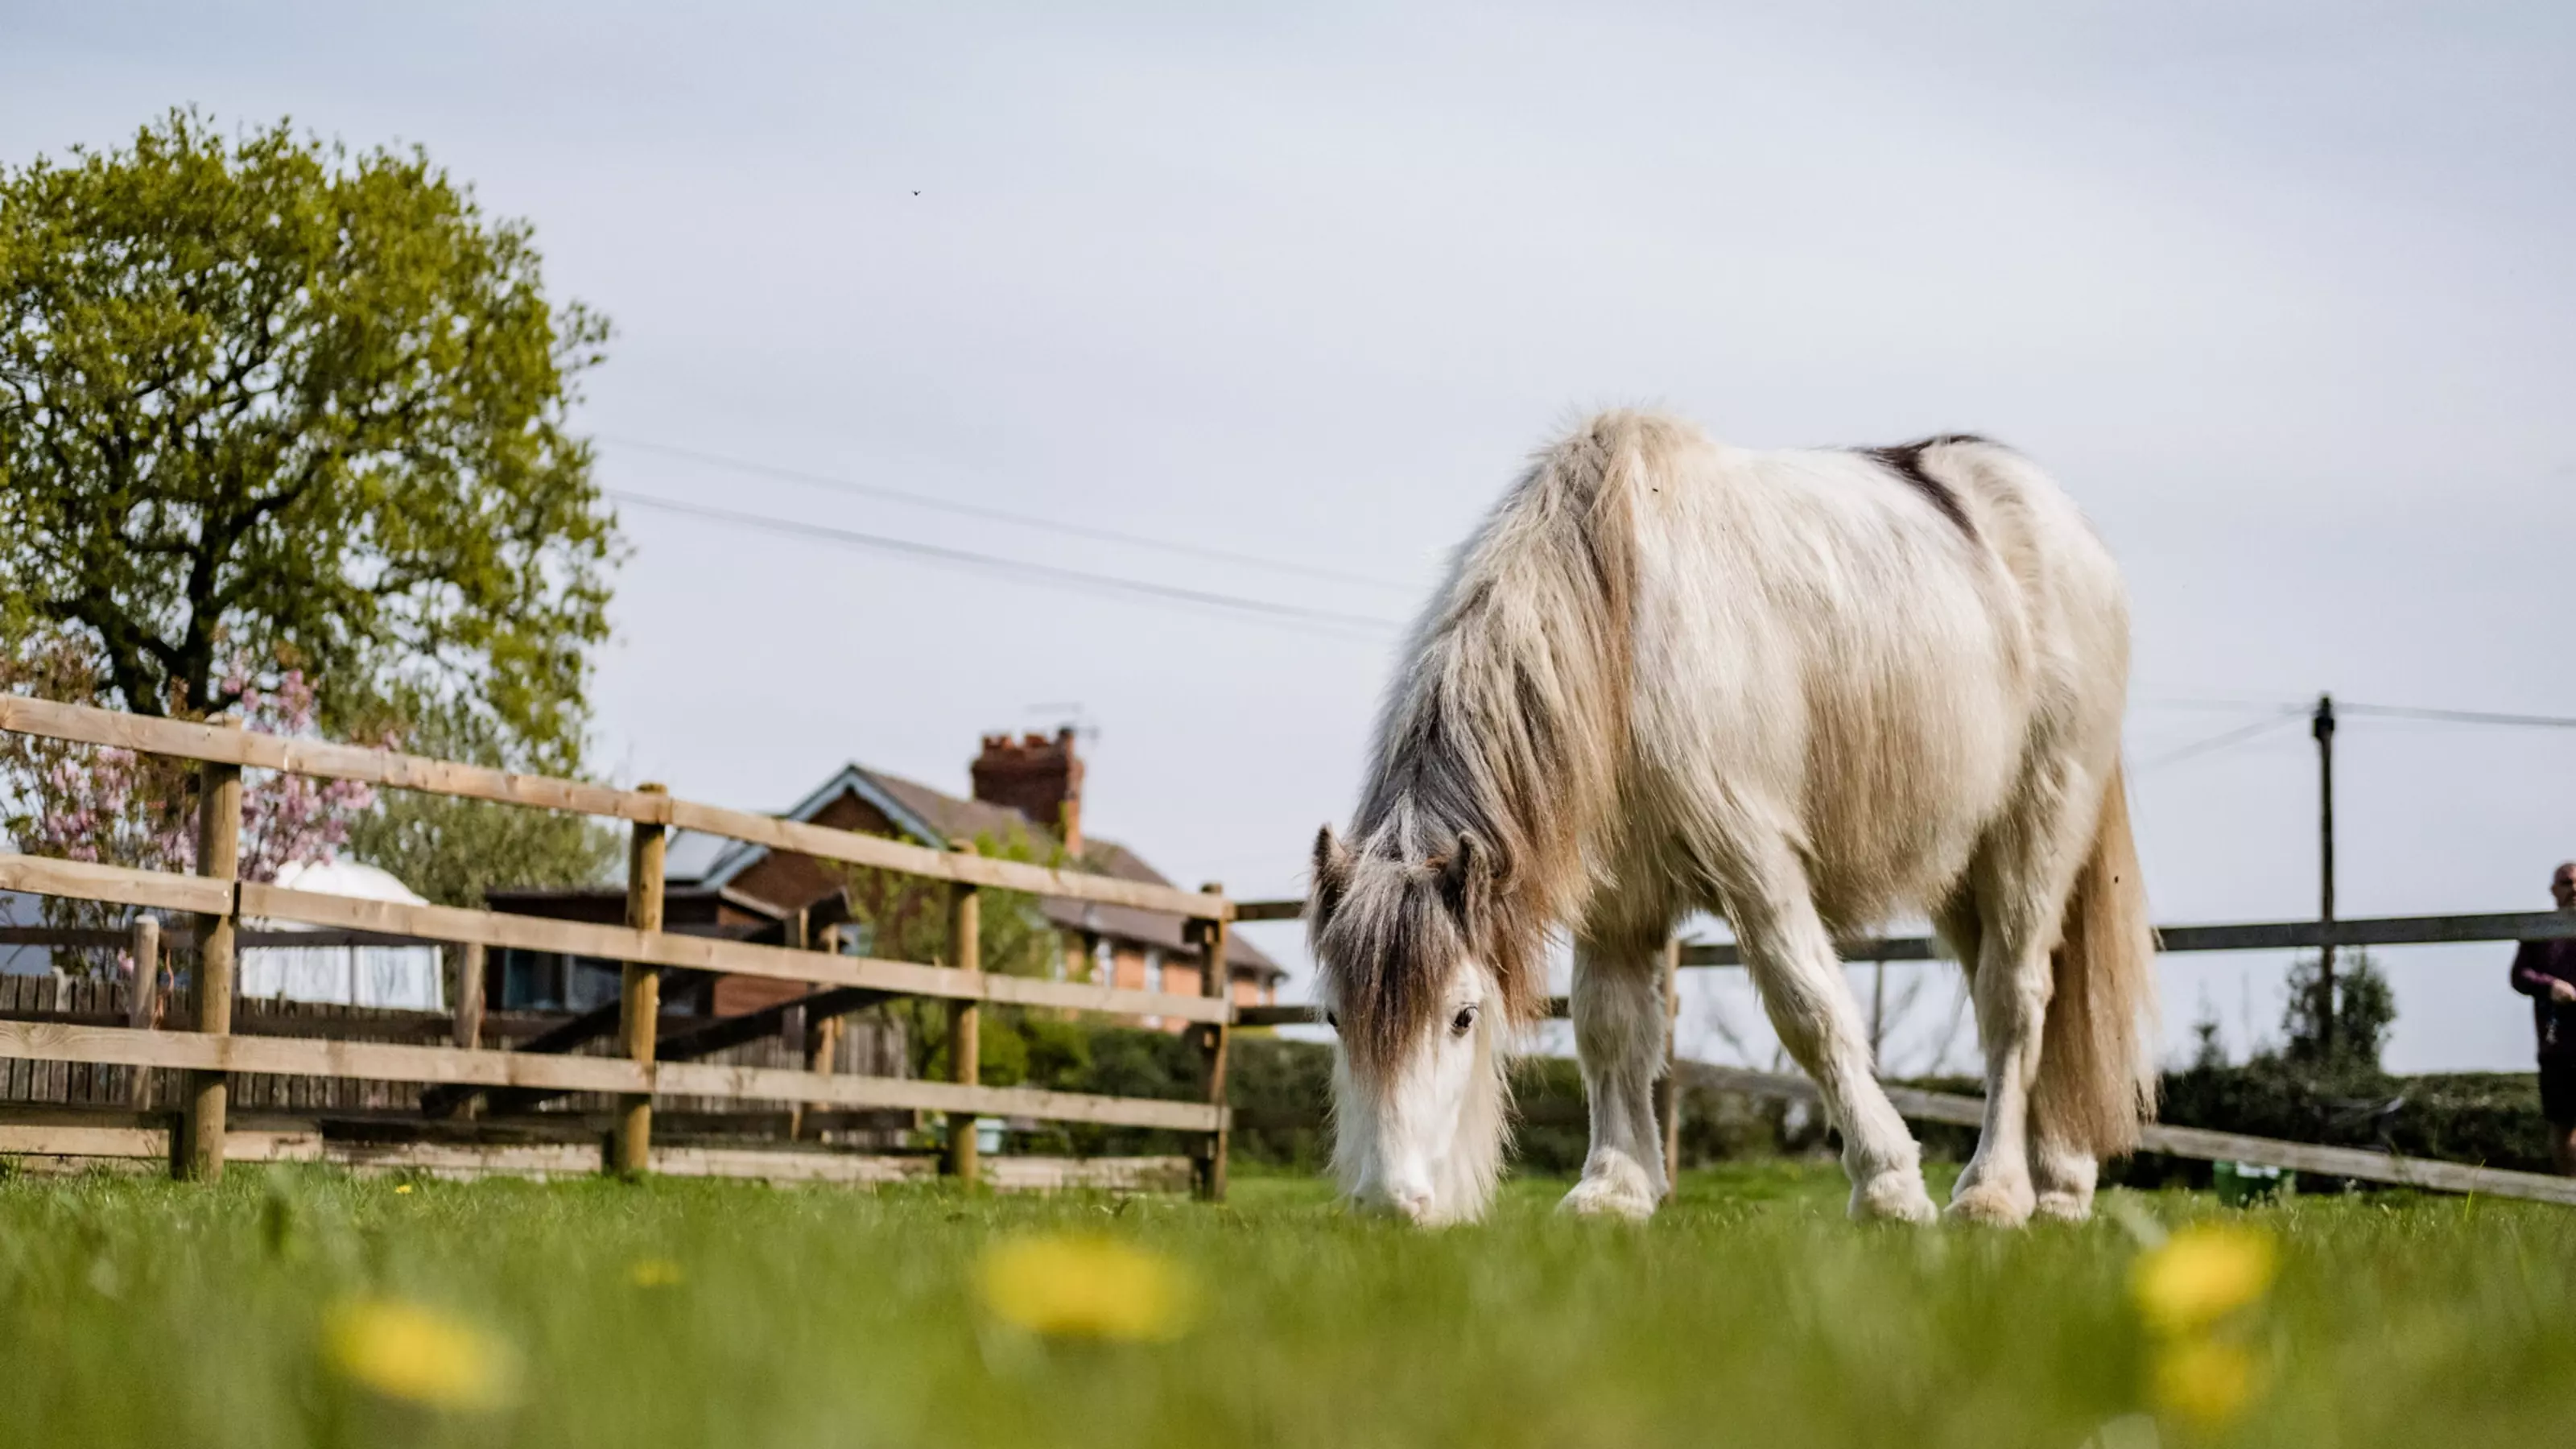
{"x": 1039, "y": 777}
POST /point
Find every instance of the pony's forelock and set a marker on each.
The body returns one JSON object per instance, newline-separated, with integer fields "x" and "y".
{"x": 1388, "y": 948}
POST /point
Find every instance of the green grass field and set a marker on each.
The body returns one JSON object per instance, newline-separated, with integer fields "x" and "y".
{"x": 683, "y": 1313}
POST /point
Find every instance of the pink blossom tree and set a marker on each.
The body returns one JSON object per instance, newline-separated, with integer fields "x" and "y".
{"x": 107, "y": 805}
{"x": 115, "y": 807}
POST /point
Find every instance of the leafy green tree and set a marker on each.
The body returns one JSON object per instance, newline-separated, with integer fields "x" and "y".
{"x": 905, "y": 918}
{"x": 453, "y": 850}
{"x": 264, "y": 399}
{"x": 2361, "y": 1008}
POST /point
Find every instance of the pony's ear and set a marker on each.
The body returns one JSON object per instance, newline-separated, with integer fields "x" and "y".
{"x": 1467, "y": 882}
{"x": 1332, "y": 875}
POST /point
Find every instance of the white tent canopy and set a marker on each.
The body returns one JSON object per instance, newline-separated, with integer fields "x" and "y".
{"x": 399, "y": 977}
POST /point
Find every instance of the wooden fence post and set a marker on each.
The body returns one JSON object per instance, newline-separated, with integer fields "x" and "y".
{"x": 143, "y": 1003}
{"x": 639, "y": 1001}
{"x": 965, "y": 1035}
{"x": 795, "y": 933}
{"x": 1215, "y": 983}
{"x": 219, "y": 812}
{"x": 822, "y": 1044}
{"x": 469, "y": 961}
{"x": 468, "y": 1033}
{"x": 1669, "y": 1091}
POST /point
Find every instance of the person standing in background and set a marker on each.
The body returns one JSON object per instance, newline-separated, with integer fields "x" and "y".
{"x": 2545, "y": 971}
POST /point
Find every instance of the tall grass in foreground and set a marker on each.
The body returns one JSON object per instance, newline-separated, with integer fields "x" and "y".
{"x": 310, "y": 1308}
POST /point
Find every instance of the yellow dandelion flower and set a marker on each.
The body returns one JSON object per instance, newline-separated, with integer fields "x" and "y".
{"x": 2200, "y": 1275}
{"x": 654, "y": 1273}
{"x": 406, "y": 1187}
{"x": 2204, "y": 1381}
{"x": 1087, "y": 1287}
{"x": 404, "y": 1351}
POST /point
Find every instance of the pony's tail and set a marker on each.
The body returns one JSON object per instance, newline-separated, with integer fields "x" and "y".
{"x": 2097, "y": 1072}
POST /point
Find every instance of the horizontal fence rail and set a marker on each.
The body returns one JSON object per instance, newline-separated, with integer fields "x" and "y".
{"x": 2250, "y": 936}
{"x": 389, "y": 1062}
{"x": 178, "y": 936}
{"x": 2192, "y": 1142}
{"x": 1299, "y": 1013}
{"x": 82, "y": 1146}
{"x": 2246, "y": 936}
{"x": 83, "y": 724}
{"x": 2234, "y": 936}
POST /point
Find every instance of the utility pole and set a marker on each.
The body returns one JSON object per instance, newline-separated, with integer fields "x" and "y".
{"x": 2323, "y": 727}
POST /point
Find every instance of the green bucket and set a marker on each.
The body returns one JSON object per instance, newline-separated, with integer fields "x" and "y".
{"x": 2241, "y": 1184}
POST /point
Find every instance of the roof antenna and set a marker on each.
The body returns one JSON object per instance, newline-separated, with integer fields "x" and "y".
{"x": 1071, "y": 715}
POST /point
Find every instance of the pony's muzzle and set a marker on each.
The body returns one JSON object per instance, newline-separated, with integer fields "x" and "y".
{"x": 1408, "y": 1200}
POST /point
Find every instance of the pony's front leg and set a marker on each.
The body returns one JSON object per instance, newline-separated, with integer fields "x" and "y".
{"x": 1619, "y": 1032}
{"x": 1811, "y": 1007}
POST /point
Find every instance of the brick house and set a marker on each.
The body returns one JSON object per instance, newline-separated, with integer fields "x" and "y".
{"x": 716, "y": 886}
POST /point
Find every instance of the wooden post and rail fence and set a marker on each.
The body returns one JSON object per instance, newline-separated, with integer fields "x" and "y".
{"x": 210, "y": 1053}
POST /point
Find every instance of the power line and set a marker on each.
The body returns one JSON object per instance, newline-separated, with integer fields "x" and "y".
{"x": 2458, "y": 716}
{"x": 2218, "y": 704}
{"x": 2223, "y": 740}
{"x": 2384, "y": 711}
{"x": 1334, "y": 620}
{"x": 1339, "y": 624}
{"x": 1003, "y": 515}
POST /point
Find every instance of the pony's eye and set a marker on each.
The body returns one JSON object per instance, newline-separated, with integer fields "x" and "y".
{"x": 1465, "y": 1019}
{"x": 1333, "y": 1019}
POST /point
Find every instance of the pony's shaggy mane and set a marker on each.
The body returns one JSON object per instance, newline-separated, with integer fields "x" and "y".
{"x": 1499, "y": 750}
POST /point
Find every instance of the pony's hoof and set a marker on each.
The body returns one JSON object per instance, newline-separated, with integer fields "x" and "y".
{"x": 1613, "y": 1186}
{"x": 1894, "y": 1196}
{"x": 2064, "y": 1180}
{"x": 2065, "y": 1207}
{"x": 1993, "y": 1204}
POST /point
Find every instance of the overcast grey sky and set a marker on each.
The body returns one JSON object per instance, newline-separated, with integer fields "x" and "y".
{"x": 2279, "y": 290}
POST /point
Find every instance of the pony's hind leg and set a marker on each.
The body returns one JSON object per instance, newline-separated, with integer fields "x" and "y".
{"x": 1619, "y": 1029}
{"x": 2020, "y": 880}
{"x": 1811, "y": 1007}
{"x": 2061, "y": 1174}
{"x": 2009, "y": 986}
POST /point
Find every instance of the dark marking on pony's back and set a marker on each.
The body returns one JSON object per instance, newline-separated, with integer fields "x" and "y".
{"x": 1905, "y": 460}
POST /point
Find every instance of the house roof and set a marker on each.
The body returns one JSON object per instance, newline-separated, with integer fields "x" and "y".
{"x": 1109, "y": 858}
{"x": 934, "y": 818}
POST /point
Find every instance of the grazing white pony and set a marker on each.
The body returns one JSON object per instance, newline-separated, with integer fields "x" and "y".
{"x": 1804, "y": 690}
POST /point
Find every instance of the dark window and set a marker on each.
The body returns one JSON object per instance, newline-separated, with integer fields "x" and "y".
{"x": 551, "y": 981}
{"x": 531, "y": 980}
{"x": 592, "y": 984}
